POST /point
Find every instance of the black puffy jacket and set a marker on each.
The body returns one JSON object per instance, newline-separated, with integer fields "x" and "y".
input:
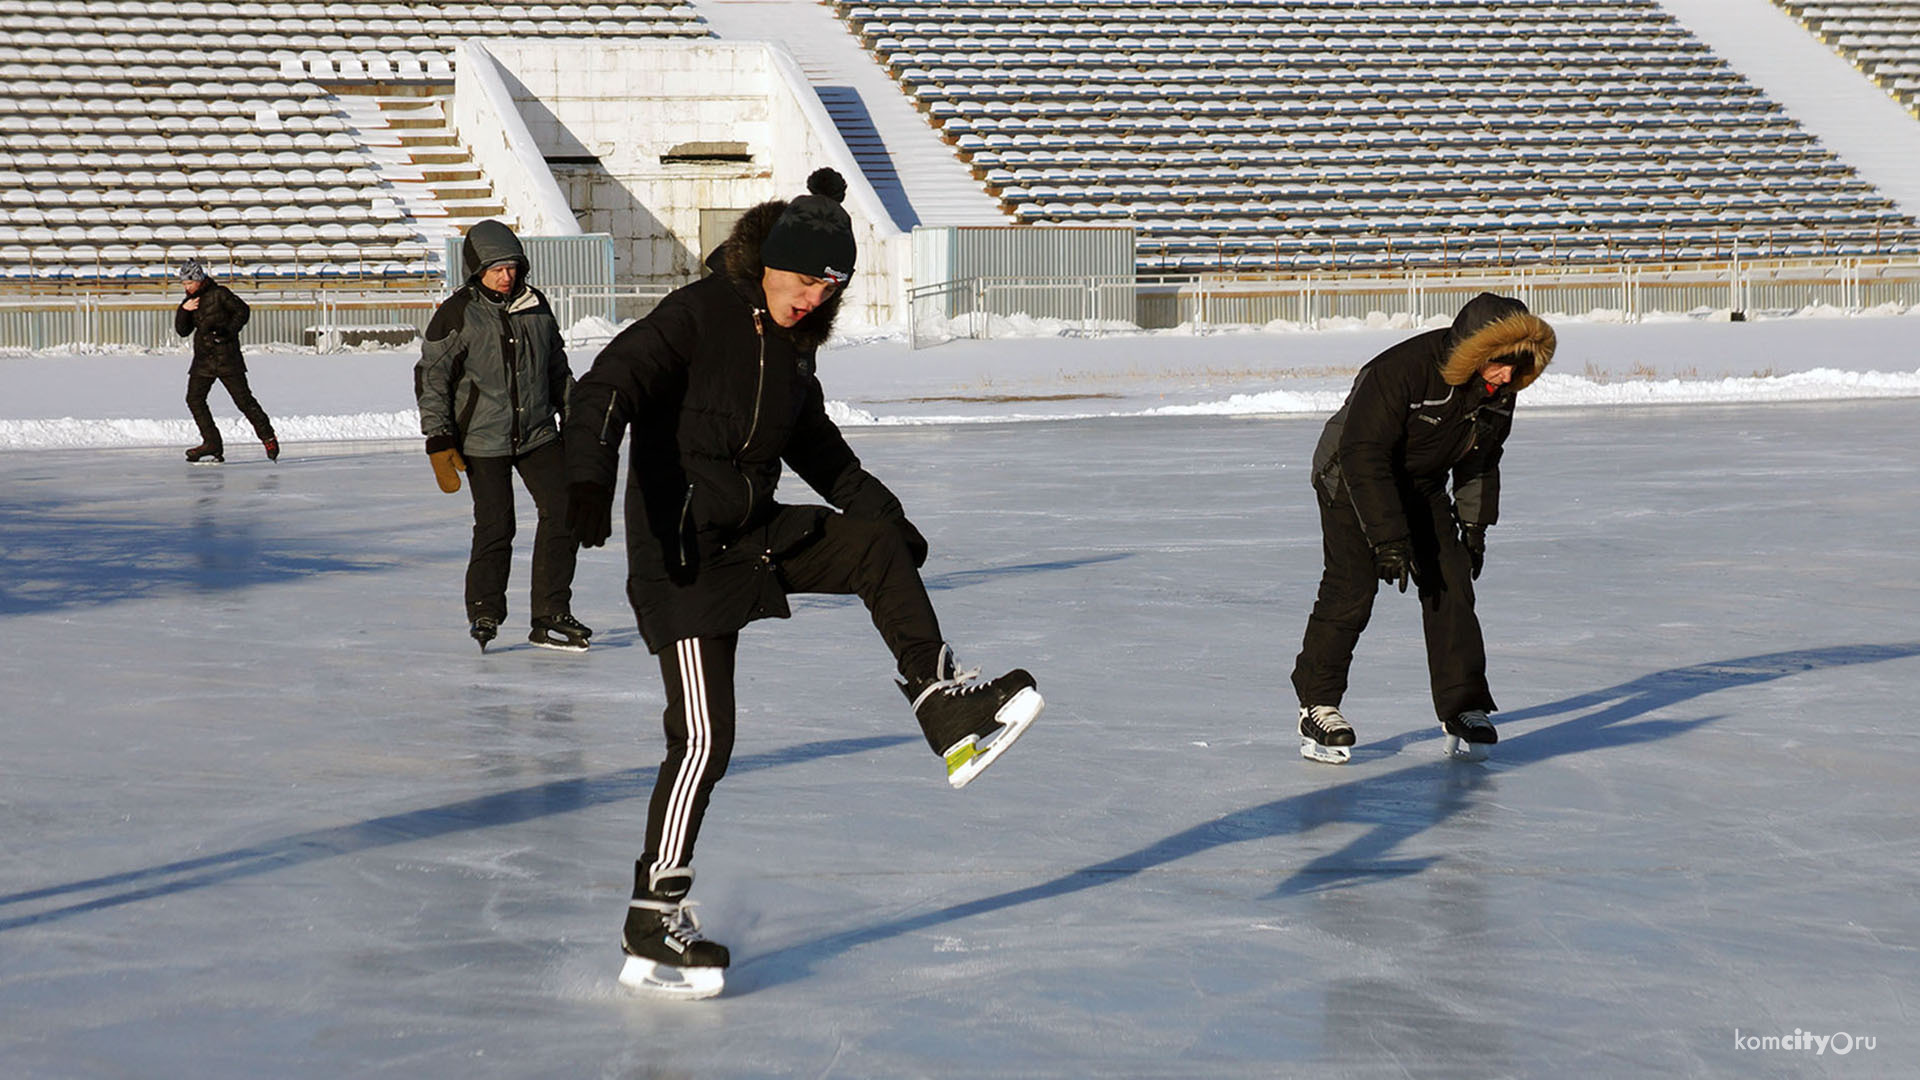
{"x": 718, "y": 398}
{"x": 215, "y": 325}
{"x": 1416, "y": 414}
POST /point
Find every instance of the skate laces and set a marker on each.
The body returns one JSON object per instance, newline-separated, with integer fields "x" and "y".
{"x": 677, "y": 919}
{"x": 1323, "y": 717}
{"x": 957, "y": 682}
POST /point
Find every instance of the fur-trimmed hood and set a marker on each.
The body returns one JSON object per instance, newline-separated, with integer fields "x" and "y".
{"x": 1491, "y": 326}
{"x": 738, "y": 258}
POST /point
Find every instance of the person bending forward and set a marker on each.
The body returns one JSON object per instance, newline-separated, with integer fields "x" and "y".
{"x": 1438, "y": 405}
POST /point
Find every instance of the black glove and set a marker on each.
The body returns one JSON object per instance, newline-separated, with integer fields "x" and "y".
{"x": 1393, "y": 561}
{"x": 1474, "y": 538}
{"x": 589, "y": 513}
{"x": 916, "y": 544}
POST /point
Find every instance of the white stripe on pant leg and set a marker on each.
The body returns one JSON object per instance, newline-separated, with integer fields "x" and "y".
{"x": 693, "y": 766}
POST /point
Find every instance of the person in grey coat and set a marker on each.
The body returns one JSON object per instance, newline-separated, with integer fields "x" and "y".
{"x": 492, "y": 383}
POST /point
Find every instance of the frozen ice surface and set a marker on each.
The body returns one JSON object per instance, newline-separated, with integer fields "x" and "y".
{"x": 270, "y": 813}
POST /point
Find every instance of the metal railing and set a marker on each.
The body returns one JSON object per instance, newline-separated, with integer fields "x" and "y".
{"x": 321, "y": 320}
{"x": 980, "y": 307}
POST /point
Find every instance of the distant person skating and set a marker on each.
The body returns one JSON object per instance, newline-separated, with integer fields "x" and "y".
{"x": 1438, "y": 405}
{"x": 214, "y": 316}
{"x": 492, "y": 383}
{"x": 718, "y": 387}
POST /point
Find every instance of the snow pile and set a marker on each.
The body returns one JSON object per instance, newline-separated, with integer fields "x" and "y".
{"x": 71, "y": 433}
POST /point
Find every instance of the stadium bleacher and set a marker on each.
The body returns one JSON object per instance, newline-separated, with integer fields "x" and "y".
{"x": 1880, "y": 37}
{"x": 1254, "y": 134}
{"x": 288, "y": 142}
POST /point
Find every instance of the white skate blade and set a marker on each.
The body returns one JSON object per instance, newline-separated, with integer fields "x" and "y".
{"x": 973, "y": 757}
{"x": 675, "y": 983}
{"x": 1328, "y": 755}
{"x": 556, "y": 646}
{"x": 1466, "y": 751}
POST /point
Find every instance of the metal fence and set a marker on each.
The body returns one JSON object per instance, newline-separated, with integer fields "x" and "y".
{"x": 326, "y": 321}
{"x": 980, "y": 307}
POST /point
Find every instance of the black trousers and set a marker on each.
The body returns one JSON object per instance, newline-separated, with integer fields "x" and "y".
{"x": 851, "y": 556}
{"x": 199, "y": 386}
{"x": 1456, "y": 653}
{"x": 544, "y": 471}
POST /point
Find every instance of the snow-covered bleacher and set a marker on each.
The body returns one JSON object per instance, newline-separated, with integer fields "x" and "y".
{"x": 132, "y": 136}
{"x": 1880, "y": 37}
{"x": 1355, "y": 133}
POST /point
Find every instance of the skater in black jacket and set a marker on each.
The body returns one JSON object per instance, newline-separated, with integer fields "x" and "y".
{"x": 215, "y": 316}
{"x": 1434, "y": 407}
{"x": 717, "y": 386}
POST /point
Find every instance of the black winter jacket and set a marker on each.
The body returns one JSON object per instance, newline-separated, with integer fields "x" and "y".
{"x": 215, "y": 326}
{"x": 1417, "y": 414}
{"x": 718, "y": 397}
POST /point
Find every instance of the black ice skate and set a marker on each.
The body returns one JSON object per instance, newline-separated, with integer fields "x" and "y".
{"x": 1325, "y": 735}
{"x": 666, "y": 956}
{"x": 561, "y": 631}
{"x": 206, "y": 455}
{"x": 970, "y": 723}
{"x": 1469, "y": 735}
{"x": 272, "y": 447}
{"x": 485, "y": 629}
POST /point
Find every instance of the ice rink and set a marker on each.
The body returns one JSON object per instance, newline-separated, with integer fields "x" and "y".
{"x": 270, "y": 813}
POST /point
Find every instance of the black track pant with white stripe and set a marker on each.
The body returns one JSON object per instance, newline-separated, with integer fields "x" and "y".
{"x": 865, "y": 558}
{"x": 699, "y": 722}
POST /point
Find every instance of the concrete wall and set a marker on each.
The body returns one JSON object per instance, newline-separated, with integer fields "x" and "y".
{"x": 608, "y": 112}
{"x": 488, "y": 122}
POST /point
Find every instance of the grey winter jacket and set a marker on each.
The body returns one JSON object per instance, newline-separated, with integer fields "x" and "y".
{"x": 492, "y": 379}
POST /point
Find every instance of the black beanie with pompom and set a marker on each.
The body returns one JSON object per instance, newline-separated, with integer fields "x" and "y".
{"x": 814, "y": 236}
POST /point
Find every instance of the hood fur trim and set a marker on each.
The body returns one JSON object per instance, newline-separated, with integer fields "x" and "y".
{"x": 1519, "y": 333}
{"x": 738, "y": 257}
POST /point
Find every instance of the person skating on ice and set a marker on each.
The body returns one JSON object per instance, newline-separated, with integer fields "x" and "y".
{"x": 492, "y": 383}
{"x": 1432, "y": 409}
{"x": 215, "y": 316}
{"x": 716, "y": 390}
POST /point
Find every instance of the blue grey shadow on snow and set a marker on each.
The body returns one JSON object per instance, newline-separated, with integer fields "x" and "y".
{"x": 480, "y": 812}
{"x": 1392, "y": 821}
{"x": 52, "y": 559}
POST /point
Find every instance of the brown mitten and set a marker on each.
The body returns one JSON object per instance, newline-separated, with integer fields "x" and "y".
{"x": 447, "y": 462}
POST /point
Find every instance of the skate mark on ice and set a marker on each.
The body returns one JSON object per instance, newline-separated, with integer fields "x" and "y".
{"x": 1394, "y": 818}
{"x": 482, "y": 812}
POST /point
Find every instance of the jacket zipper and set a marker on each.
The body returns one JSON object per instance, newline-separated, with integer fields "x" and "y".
{"x": 686, "y": 511}
{"x": 513, "y": 375}
{"x": 606, "y": 421}
{"x": 753, "y": 425}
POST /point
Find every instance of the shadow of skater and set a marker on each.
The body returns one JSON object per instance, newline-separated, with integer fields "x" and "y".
{"x": 482, "y": 812}
{"x": 1366, "y": 857}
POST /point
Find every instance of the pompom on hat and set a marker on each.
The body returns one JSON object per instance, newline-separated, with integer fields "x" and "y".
{"x": 814, "y": 235}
